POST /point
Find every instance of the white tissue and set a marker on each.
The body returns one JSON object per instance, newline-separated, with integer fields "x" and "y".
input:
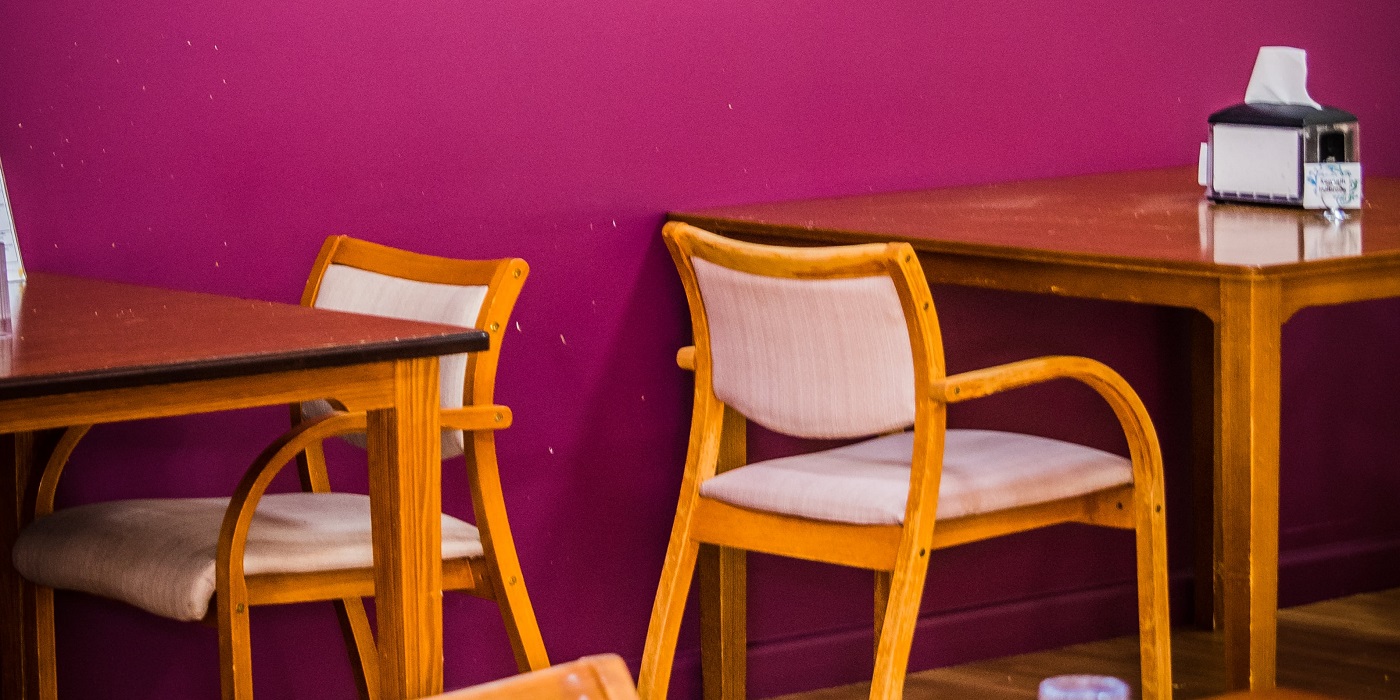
{"x": 1280, "y": 77}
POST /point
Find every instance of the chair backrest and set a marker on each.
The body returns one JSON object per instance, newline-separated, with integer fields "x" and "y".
{"x": 813, "y": 342}
{"x": 368, "y": 278}
{"x": 601, "y": 677}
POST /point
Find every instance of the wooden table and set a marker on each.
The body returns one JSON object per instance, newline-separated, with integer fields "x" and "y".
{"x": 1148, "y": 238}
{"x": 86, "y": 351}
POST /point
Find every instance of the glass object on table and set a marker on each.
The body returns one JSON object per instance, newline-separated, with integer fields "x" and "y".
{"x": 1082, "y": 687}
{"x": 5, "y": 327}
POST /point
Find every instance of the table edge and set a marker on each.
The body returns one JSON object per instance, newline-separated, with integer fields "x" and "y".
{"x": 935, "y": 246}
{"x": 468, "y": 340}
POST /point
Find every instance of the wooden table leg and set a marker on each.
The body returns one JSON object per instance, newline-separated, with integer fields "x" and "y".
{"x": 723, "y": 590}
{"x": 1248, "y": 337}
{"x": 21, "y": 456}
{"x": 406, "y": 503}
{"x": 17, "y": 462}
{"x": 1206, "y": 612}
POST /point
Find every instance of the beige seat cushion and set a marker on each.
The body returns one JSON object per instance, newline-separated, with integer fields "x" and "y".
{"x": 868, "y": 482}
{"x": 158, "y": 554}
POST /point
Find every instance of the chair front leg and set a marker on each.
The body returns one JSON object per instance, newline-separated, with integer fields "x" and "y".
{"x": 40, "y": 644}
{"x": 1154, "y": 619}
{"x": 235, "y": 648}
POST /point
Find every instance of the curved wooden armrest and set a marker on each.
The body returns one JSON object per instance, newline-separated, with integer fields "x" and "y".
{"x": 53, "y": 469}
{"x": 1132, "y": 415}
{"x": 234, "y": 533}
{"x": 490, "y": 417}
{"x": 991, "y": 380}
{"x": 685, "y": 357}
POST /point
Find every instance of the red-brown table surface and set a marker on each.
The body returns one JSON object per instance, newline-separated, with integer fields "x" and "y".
{"x": 85, "y": 351}
{"x": 1146, "y": 237}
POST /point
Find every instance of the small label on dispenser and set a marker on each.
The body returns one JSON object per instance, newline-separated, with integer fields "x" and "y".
{"x": 1332, "y": 185}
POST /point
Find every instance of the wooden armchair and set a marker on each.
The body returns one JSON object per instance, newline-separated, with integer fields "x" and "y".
{"x": 842, "y": 343}
{"x": 171, "y": 556}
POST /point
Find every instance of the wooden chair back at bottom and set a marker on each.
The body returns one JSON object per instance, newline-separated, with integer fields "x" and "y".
{"x": 601, "y": 677}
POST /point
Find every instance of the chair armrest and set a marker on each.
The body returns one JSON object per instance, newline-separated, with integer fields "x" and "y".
{"x": 1013, "y": 375}
{"x": 51, "y": 471}
{"x": 685, "y": 357}
{"x": 1132, "y": 415}
{"x": 233, "y": 534}
{"x": 490, "y": 417}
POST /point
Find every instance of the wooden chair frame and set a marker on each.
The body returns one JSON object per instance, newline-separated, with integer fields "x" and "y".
{"x": 496, "y": 575}
{"x": 898, "y": 554}
{"x": 600, "y": 677}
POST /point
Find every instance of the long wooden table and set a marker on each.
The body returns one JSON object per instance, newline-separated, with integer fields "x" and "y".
{"x": 85, "y": 351}
{"x": 1145, "y": 237}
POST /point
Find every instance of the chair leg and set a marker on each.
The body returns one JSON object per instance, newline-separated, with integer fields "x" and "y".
{"x": 659, "y": 653}
{"x": 42, "y": 651}
{"x": 235, "y": 650}
{"x": 906, "y": 590}
{"x": 882, "y": 601}
{"x": 508, "y": 582}
{"x": 516, "y": 611}
{"x": 359, "y": 644}
{"x": 1154, "y": 619}
{"x": 723, "y": 622}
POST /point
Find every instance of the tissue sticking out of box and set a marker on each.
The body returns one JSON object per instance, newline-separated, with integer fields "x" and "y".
{"x": 1280, "y": 146}
{"x": 1280, "y": 77}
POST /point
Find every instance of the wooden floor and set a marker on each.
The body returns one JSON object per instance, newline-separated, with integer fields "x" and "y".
{"x": 1345, "y": 648}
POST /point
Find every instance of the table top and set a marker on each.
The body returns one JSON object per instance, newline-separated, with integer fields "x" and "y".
{"x": 1157, "y": 217}
{"x": 78, "y": 334}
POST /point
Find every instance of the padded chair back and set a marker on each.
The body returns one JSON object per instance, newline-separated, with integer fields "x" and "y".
{"x": 361, "y": 277}
{"x": 817, "y": 346}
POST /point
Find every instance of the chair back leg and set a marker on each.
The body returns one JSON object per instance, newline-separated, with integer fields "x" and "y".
{"x": 507, "y": 579}
{"x": 659, "y": 653}
{"x": 882, "y": 602}
{"x": 519, "y": 617}
{"x": 901, "y": 615}
{"x": 359, "y": 646}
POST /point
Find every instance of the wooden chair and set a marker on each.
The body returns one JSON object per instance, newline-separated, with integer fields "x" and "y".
{"x": 170, "y": 556}
{"x": 840, "y": 343}
{"x": 601, "y": 677}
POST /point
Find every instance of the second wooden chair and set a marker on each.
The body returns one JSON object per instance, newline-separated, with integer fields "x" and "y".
{"x": 172, "y": 556}
{"x": 843, "y": 343}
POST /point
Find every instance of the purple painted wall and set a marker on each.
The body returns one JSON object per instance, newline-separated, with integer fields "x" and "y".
{"x": 213, "y": 145}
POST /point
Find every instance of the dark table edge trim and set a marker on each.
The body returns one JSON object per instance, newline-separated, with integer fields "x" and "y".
{"x": 222, "y": 368}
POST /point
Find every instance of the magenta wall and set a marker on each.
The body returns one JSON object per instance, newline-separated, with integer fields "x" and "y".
{"x": 213, "y": 145}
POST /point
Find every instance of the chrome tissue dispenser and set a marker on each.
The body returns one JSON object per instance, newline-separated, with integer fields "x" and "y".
{"x": 1280, "y": 146}
{"x": 1294, "y": 155}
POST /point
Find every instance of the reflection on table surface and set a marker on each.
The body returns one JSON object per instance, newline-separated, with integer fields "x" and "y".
{"x": 1241, "y": 234}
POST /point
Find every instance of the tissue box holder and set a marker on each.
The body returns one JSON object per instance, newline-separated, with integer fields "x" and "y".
{"x": 1292, "y": 155}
